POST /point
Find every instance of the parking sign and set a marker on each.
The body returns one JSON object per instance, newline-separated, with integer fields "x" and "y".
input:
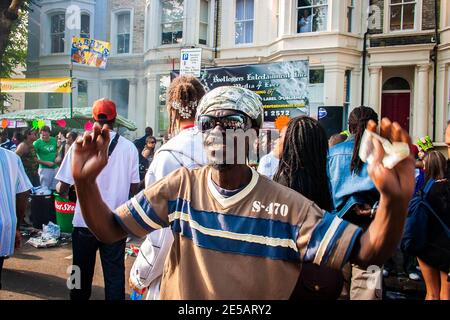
{"x": 191, "y": 62}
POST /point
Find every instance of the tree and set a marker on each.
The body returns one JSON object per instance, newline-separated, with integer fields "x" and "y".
{"x": 9, "y": 14}
{"x": 13, "y": 40}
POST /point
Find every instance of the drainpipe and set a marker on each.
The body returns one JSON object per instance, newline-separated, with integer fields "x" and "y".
{"x": 216, "y": 26}
{"x": 435, "y": 60}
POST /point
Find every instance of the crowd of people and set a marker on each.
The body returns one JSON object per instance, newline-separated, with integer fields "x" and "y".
{"x": 313, "y": 219}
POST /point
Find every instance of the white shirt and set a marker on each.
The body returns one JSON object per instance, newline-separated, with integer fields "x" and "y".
{"x": 115, "y": 179}
{"x": 13, "y": 180}
{"x": 268, "y": 165}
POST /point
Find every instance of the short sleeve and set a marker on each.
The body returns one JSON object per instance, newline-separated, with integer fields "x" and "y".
{"x": 148, "y": 211}
{"x": 134, "y": 165}
{"x": 65, "y": 170}
{"x": 325, "y": 239}
{"x": 23, "y": 183}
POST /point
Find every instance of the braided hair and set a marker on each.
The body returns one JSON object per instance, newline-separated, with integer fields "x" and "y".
{"x": 357, "y": 123}
{"x": 303, "y": 164}
{"x": 183, "y": 96}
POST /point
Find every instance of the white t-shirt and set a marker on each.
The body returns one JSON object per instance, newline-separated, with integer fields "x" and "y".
{"x": 268, "y": 165}
{"x": 114, "y": 180}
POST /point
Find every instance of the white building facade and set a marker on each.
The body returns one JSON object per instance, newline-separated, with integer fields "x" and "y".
{"x": 147, "y": 35}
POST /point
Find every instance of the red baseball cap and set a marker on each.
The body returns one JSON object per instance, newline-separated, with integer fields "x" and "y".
{"x": 105, "y": 107}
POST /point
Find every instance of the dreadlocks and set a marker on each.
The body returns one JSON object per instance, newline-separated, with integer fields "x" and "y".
{"x": 357, "y": 123}
{"x": 183, "y": 96}
{"x": 303, "y": 164}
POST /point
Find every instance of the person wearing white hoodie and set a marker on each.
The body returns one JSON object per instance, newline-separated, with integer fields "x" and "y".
{"x": 185, "y": 149}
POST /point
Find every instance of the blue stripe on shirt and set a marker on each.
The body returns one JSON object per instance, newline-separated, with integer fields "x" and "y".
{"x": 316, "y": 238}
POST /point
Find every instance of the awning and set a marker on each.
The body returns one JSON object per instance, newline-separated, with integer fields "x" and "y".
{"x": 80, "y": 117}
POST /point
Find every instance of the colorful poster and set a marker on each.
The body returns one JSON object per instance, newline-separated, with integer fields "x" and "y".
{"x": 59, "y": 85}
{"x": 283, "y": 86}
{"x": 93, "y": 53}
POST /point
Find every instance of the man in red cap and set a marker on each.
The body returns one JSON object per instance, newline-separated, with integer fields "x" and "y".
{"x": 116, "y": 180}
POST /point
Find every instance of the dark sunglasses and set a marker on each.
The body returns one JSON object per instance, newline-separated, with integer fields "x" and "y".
{"x": 232, "y": 121}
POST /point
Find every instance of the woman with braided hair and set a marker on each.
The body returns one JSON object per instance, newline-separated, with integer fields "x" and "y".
{"x": 303, "y": 168}
{"x": 303, "y": 162}
{"x": 184, "y": 149}
{"x": 355, "y": 198}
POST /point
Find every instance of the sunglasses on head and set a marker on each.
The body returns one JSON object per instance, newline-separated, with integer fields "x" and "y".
{"x": 232, "y": 121}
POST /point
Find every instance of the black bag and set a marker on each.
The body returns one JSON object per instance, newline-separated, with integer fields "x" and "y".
{"x": 416, "y": 227}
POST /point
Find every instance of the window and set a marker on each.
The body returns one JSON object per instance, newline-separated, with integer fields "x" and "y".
{"x": 312, "y": 15}
{"x": 172, "y": 21}
{"x": 347, "y": 92}
{"x": 316, "y": 87}
{"x": 204, "y": 17}
{"x": 163, "y": 119}
{"x": 85, "y": 26}
{"x": 350, "y": 13}
{"x": 123, "y": 32}
{"x": 316, "y": 76}
{"x": 82, "y": 99}
{"x": 55, "y": 100}
{"x": 57, "y": 28}
{"x": 244, "y": 21}
{"x": 120, "y": 95}
{"x": 402, "y": 15}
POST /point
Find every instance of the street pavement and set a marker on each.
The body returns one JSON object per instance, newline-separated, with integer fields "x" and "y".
{"x": 41, "y": 274}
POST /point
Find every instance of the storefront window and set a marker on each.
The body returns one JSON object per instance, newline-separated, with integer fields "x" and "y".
{"x": 82, "y": 99}
{"x": 402, "y": 15}
{"x": 55, "y": 100}
{"x": 163, "y": 119}
{"x": 312, "y": 15}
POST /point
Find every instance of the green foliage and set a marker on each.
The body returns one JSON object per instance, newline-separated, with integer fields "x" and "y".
{"x": 15, "y": 55}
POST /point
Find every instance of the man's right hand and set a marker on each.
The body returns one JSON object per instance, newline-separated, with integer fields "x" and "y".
{"x": 90, "y": 154}
{"x": 135, "y": 288}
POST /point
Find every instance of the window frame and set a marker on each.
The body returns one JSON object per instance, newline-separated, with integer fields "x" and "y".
{"x": 114, "y": 30}
{"x": 57, "y": 95}
{"x": 162, "y": 108}
{"x": 51, "y": 34}
{"x": 417, "y": 15}
{"x": 81, "y": 24}
{"x": 161, "y": 23}
{"x": 351, "y": 9}
{"x": 313, "y": 6}
{"x": 207, "y": 23}
{"x": 244, "y": 21}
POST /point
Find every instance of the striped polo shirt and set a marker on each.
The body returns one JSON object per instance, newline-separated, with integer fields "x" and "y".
{"x": 248, "y": 246}
{"x": 13, "y": 180}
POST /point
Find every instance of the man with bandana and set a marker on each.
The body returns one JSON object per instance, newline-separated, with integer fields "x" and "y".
{"x": 239, "y": 235}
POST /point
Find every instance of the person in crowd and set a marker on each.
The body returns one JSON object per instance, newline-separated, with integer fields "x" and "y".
{"x": 27, "y": 153}
{"x": 5, "y": 143}
{"x": 228, "y": 221}
{"x": 268, "y": 164}
{"x": 46, "y": 151}
{"x": 434, "y": 260}
{"x": 336, "y": 139}
{"x": 117, "y": 180}
{"x": 303, "y": 168}
{"x": 61, "y": 145}
{"x": 71, "y": 136}
{"x": 140, "y": 143}
{"x": 146, "y": 156}
{"x": 354, "y": 199}
{"x": 14, "y": 191}
{"x": 185, "y": 149}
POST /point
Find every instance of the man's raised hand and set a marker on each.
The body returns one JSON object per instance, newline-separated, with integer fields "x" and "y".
{"x": 90, "y": 154}
{"x": 398, "y": 183}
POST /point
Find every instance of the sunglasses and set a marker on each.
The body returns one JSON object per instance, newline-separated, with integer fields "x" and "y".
{"x": 232, "y": 121}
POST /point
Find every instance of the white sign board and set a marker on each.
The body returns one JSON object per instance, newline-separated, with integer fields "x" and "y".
{"x": 191, "y": 62}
